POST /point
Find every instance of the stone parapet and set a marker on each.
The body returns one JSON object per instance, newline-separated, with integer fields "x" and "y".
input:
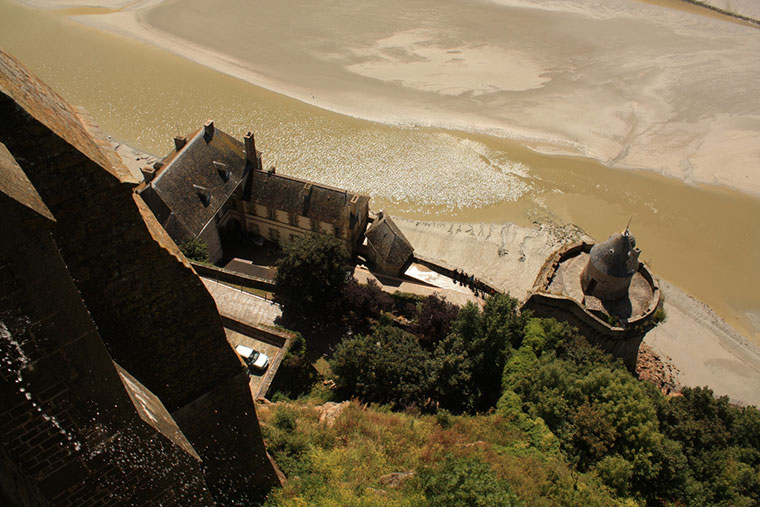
{"x": 622, "y": 338}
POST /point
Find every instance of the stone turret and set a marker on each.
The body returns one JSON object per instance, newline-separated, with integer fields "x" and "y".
{"x": 611, "y": 266}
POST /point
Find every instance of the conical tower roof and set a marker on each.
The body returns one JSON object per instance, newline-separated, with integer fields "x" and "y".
{"x": 616, "y": 256}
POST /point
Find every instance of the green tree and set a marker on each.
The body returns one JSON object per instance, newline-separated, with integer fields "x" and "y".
{"x": 311, "y": 276}
{"x": 489, "y": 336}
{"x": 388, "y": 367}
{"x": 195, "y": 250}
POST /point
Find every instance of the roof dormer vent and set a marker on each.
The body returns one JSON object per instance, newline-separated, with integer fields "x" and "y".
{"x": 179, "y": 142}
{"x": 204, "y": 194}
{"x": 223, "y": 170}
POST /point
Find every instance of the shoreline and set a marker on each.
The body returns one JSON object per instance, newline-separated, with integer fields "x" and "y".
{"x": 561, "y": 189}
{"x": 133, "y": 23}
{"x": 703, "y": 347}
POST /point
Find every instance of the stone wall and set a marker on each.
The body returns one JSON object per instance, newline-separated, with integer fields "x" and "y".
{"x": 69, "y": 433}
{"x": 620, "y": 341}
{"x": 153, "y": 313}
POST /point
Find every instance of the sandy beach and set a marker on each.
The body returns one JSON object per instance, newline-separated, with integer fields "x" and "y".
{"x": 631, "y": 84}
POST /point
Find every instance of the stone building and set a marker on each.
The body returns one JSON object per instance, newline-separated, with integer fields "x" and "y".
{"x": 387, "y": 247}
{"x": 190, "y": 189}
{"x": 212, "y": 184}
{"x": 611, "y": 266}
{"x": 603, "y": 290}
{"x": 98, "y": 251}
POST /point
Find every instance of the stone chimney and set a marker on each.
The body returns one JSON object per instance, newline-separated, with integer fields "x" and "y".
{"x": 179, "y": 142}
{"x": 352, "y": 204}
{"x": 208, "y": 129}
{"x": 148, "y": 173}
{"x": 250, "y": 151}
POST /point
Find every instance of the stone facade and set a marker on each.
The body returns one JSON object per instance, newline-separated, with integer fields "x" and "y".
{"x": 70, "y": 432}
{"x": 152, "y": 312}
{"x": 250, "y": 201}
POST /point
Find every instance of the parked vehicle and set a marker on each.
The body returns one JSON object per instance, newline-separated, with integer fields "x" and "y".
{"x": 255, "y": 360}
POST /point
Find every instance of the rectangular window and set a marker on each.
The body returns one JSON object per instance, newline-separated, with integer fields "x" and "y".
{"x": 274, "y": 234}
{"x": 292, "y": 237}
{"x": 338, "y": 232}
{"x": 314, "y": 225}
{"x": 293, "y": 219}
{"x": 270, "y": 214}
{"x": 253, "y": 228}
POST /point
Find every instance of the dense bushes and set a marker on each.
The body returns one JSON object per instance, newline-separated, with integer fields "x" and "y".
{"x": 569, "y": 402}
{"x": 311, "y": 276}
{"x": 693, "y": 449}
{"x": 459, "y": 371}
{"x": 465, "y": 481}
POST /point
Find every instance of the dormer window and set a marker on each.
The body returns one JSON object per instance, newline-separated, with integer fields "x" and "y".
{"x": 204, "y": 194}
{"x": 223, "y": 170}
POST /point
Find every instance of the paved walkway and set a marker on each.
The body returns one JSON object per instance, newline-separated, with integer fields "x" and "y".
{"x": 242, "y": 306}
{"x": 390, "y": 284}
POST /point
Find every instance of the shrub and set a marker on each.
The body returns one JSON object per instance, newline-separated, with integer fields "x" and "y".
{"x": 659, "y": 315}
{"x": 365, "y": 301}
{"x": 195, "y": 250}
{"x": 465, "y": 481}
{"x": 433, "y": 320}
{"x": 387, "y": 367}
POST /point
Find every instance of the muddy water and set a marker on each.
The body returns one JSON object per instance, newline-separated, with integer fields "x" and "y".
{"x": 703, "y": 239}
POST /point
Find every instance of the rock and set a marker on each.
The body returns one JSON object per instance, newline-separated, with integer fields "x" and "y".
{"x": 396, "y": 479}
{"x": 330, "y": 411}
{"x": 652, "y": 367}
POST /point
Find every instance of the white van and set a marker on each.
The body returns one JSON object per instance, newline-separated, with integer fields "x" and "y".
{"x": 253, "y": 358}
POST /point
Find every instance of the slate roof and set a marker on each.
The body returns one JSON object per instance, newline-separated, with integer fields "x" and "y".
{"x": 304, "y": 198}
{"x": 389, "y": 242}
{"x": 616, "y": 256}
{"x": 15, "y": 184}
{"x": 200, "y": 165}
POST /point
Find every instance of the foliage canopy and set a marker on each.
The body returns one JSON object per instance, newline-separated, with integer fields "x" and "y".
{"x": 311, "y": 276}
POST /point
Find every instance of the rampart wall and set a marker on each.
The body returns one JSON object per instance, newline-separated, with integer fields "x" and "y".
{"x": 621, "y": 341}
{"x": 153, "y": 313}
{"x": 70, "y": 434}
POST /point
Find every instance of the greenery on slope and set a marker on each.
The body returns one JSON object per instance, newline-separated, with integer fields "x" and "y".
{"x": 456, "y": 460}
{"x": 492, "y": 396}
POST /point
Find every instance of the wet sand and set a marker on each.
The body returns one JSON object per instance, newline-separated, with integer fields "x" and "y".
{"x": 630, "y": 84}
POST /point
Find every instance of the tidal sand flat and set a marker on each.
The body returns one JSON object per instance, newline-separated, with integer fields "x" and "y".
{"x": 630, "y": 84}
{"x": 698, "y": 237}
